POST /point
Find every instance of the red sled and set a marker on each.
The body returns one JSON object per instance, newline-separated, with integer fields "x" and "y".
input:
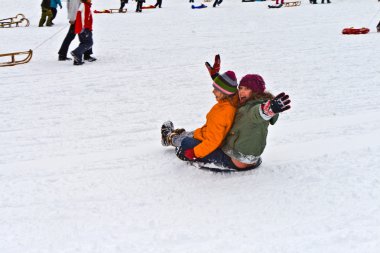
{"x": 148, "y": 7}
{"x": 352, "y": 30}
{"x": 103, "y": 11}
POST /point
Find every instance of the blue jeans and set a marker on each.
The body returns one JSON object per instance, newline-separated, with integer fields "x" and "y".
{"x": 86, "y": 43}
{"x": 218, "y": 157}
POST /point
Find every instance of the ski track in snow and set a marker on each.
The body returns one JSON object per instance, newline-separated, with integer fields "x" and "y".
{"x": 82, "y": 168}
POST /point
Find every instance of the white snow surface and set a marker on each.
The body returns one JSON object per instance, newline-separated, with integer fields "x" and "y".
{"x": 81, "y": 164}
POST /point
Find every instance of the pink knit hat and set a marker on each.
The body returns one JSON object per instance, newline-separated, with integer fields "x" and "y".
{"x": 254, "y": 82}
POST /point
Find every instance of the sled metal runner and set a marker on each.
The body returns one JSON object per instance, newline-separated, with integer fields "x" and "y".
{"x": 17, "y": 21}
{"x": 13, "y": 61}
{"x": 292, "y": 4}
{"x": 118, "y": 10}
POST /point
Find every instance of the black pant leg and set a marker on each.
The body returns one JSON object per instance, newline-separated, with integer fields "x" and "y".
{"x": 67, "y": 41}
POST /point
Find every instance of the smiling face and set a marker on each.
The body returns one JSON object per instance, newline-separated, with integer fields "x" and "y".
{"x": 244, "y": 94}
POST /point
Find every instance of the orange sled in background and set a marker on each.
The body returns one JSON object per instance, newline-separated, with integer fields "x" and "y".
{"x": 352, "y": 30}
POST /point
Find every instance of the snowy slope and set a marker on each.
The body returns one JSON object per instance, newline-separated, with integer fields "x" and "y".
{"x": 82, "y": 168}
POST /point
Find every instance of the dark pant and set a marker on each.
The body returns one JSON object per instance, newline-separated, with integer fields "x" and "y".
{"x": 67, "y": 41}
{"x": 122, "y": 3}
{"x": 139, "y": 6}
{"x": 159, "y": 2}
{"x": 46, "y": 13}
{"x": 217, "y": 157}
{"x": 54, "y": 11}
{"x": 85, "y": 44}
{"x": 217, "y": 2}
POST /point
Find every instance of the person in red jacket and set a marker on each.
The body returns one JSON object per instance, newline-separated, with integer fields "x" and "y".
{"x": 219, "y": 120}
{"x": 83, "y": 27}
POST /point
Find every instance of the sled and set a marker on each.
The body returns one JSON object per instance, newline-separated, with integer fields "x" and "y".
{"x": 202, "y": 6}
{"x": 217, "y": 169}
{"x": 13, "y": 61}
{"x": 103, "y": 11}
{"x": 18, "y": 20}
{"x": 148, "y": 7}
{"x": 118, "y": 10}
{"x": 275, "y": 6}
{"x": 352, "y": 30}
{"x": 292, "y": 4}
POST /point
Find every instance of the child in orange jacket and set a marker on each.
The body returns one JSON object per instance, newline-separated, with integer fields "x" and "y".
{"x": 219, "y": 120}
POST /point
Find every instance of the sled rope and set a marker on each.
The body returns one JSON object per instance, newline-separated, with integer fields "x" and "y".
{"x": 50, "y": 38}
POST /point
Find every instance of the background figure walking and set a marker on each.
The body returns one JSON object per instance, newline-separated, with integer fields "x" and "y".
{"x": 46, "y": 13}
{"x": 159, "y": 2}
{"x": 72, "y": 8}
{"x": 122, "y": 4}
{"x": 217, "y": 2}
{"x": 85, "y": 33}
{"x": 139, "y": 5}
{"x": 53, "y": 8}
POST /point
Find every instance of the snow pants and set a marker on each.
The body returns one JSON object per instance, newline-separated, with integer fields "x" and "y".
{"x": 217, "y": 157}
{"x": 46, "y": 13}
{"x": 67, "y": 41}
{"x": 85, "y": 44}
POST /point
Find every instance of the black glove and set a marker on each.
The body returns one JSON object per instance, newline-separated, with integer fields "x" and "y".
{"x": 214, "y": 70}
{"x": 278, "y": 104}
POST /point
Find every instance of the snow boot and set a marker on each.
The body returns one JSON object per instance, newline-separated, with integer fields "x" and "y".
{"x": 89, "y": 58}
{"x": 166, "y": 129}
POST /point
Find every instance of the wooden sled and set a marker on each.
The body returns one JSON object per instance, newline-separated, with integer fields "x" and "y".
{"x": 292, "y": 4}
{"x": 15, "y": 61}
{"x": 118, "y": 10}
{"x": 18, "y": 20}
{"x": 352, "y": 30}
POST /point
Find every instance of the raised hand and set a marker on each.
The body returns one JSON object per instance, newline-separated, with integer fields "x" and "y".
{"x": 278, "y": 104}
{"x": 214, "y": 70}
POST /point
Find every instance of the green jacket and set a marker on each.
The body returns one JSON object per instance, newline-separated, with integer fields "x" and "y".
{"x": 246, "y": 140}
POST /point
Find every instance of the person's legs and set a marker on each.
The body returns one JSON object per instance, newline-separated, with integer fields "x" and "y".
{"x": 215, "y": 3}
{"x": 54, "y": 13}
{"x": 44, "y": 14}
{"x": 49, "y": 21}
{"x": 66, "y": 44}
{"x": 86, "y": 43}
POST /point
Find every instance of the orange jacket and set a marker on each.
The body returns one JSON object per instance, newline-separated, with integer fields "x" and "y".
{"x": 218, "y": 122}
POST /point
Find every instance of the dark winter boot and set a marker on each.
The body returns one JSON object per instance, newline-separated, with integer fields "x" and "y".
{"x": 166, "y": 129}
{"x": 89, "y": 58}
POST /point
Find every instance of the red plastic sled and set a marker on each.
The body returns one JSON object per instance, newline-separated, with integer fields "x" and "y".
{"x": 352, "y": 30}
{"x": 148, "y": 7}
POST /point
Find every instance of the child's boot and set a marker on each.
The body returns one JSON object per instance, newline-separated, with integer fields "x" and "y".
{"x": 166, "y": 129}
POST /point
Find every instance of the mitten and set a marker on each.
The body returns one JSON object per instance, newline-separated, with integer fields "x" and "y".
{"x": 189, "y": 154}
{"x": 278, "y": 104}
{"x": 214, "y": 70}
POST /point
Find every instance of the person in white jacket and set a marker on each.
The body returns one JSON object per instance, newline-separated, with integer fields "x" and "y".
{"x": 72, "y": 9}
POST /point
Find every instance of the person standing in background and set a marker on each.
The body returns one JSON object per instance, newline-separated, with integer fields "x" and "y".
{"x": 53, "y": 8}
{"x": 72, "y": 8}
{"x": 46, "y": 13}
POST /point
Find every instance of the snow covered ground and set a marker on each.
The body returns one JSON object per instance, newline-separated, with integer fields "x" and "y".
{"x": 82, "y": 168}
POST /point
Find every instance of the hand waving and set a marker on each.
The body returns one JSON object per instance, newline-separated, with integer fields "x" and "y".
{"x": 214, "y": 70}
